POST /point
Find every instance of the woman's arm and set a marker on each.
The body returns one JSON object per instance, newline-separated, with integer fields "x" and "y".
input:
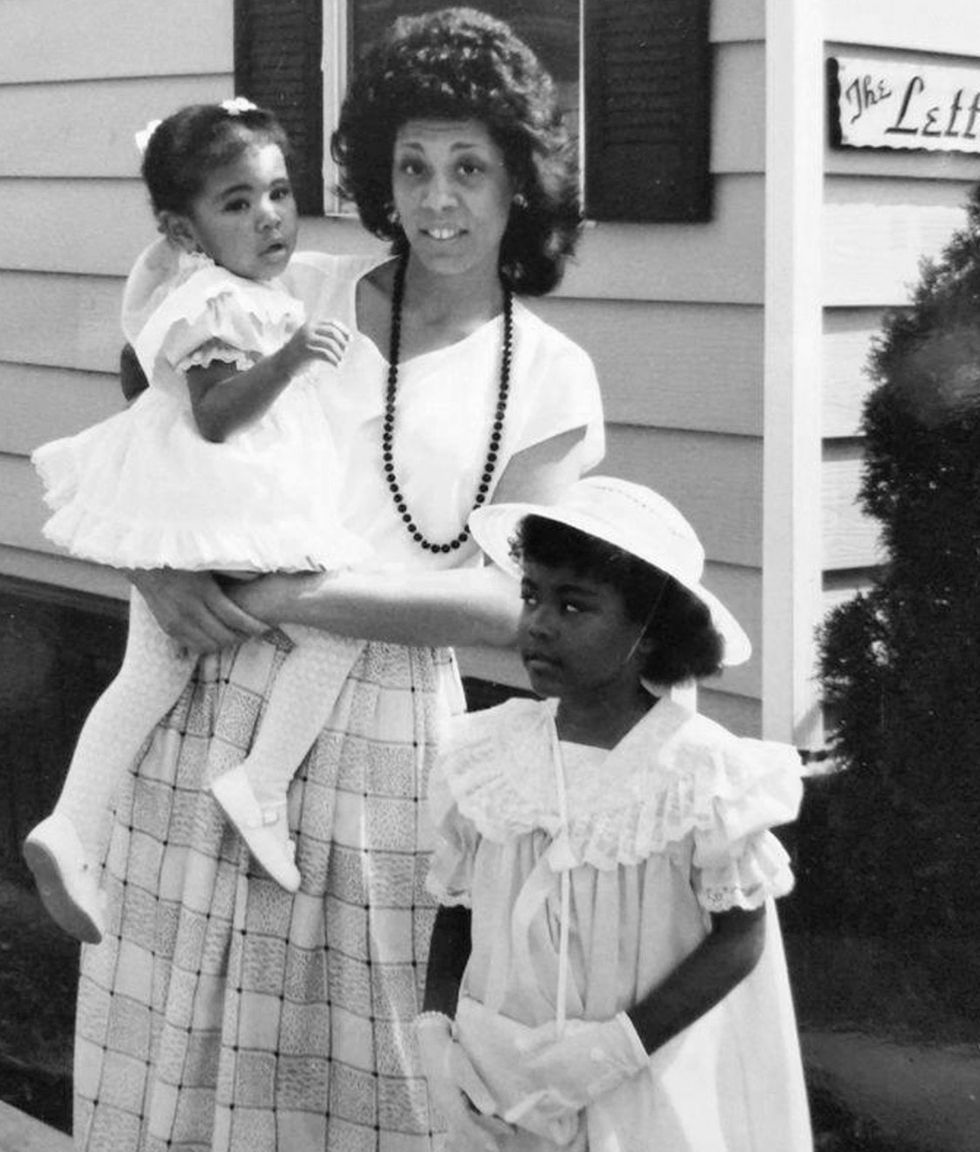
{"x": 721, "y": 962}
{"x": 194, "y": 611}
{"x": 223, "y": 399}
{"x": 464, "y": 606}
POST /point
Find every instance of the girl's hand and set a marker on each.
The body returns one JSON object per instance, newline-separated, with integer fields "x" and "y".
{"x": 320, "y": 340}
{"x": 590, "y": 1058}
{"x": 469, "y": 1130}
{"x": 194, "y": 611}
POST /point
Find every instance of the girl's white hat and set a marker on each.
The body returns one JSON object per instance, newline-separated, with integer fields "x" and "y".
{"x": 628, "y": 516}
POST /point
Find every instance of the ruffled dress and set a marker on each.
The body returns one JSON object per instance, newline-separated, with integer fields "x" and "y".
{"x": 144, "y": 489}
{"x": 220, "y": 1014}
{"x": 669, "y": 826}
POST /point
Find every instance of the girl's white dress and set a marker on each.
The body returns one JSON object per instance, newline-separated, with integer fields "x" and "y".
{"x": 144, "y": 489}
{"x": 669, "y": 826}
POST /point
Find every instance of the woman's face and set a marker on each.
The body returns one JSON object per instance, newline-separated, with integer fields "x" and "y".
{"x": 453, "y": 194}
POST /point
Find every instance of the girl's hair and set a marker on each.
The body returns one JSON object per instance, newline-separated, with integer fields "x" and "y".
{"x": 460, "y": 64}
{"x": 195, "y": 140}
{"x": 686, "y": 645}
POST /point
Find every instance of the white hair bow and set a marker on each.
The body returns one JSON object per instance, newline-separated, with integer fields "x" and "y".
{"x": 237, "y": 106}
{"x": 142, "y": 137}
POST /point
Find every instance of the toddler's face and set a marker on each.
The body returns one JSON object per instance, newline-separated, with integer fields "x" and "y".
{"x": 245, "y": 218}
{"x": 575, "y": 638}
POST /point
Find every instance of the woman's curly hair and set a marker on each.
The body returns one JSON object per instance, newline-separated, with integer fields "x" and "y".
{"x": 686, "y": 645}
{"x": 460, "y": 64}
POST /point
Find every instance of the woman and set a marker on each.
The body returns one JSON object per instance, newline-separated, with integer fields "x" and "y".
{"x": 220, "y": 1012}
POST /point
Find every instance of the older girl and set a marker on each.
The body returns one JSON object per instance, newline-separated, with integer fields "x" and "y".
{"x": 606, "y": 970}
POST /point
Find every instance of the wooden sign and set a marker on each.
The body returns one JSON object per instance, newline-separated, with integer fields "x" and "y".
{"x": 880, "y": 103}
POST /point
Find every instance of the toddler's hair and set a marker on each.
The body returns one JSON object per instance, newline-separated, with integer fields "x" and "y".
{"x": 195, "y": 140}
{"x": 687, "y": 646}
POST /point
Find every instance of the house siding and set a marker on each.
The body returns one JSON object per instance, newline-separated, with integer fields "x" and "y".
{"x": 672, "y": 314}
{"x": 884, "y": 212}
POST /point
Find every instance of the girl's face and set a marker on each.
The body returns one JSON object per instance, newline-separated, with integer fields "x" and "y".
{"x": 245, "y": 216}
{"x": 575, "y": 638}
{"x": 453, "y": 194}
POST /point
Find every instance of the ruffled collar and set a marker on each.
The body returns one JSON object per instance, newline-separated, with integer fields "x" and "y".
{"x": 662, "y": 781}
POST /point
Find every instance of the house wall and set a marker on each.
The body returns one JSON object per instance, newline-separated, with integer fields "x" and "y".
{"x": 672, "y": 314}
{"x": 883, "y": 212}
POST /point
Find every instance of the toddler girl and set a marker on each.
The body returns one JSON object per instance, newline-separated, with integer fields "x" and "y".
{"x": 606, "y": 970}
{"x": 224, "y": 463}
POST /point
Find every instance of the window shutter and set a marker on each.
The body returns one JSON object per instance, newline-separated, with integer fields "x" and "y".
{"x": 648, "y": 106}
{"x": 278, "y": 50}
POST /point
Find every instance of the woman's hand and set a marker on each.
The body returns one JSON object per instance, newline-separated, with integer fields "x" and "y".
{"x": 194, "y": 611}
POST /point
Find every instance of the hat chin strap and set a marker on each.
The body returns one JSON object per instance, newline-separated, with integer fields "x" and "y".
{"x": 648, "y": 620}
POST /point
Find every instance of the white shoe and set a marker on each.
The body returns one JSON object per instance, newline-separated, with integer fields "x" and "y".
{"x": 66, "y": 878}
{"x": 263, "y": 828}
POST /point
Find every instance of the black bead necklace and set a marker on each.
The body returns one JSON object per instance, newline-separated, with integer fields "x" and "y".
{"x": 388, "y": 432}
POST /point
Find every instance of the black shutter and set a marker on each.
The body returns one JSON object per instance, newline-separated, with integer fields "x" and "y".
{"x": 278, "y": 51}
{"x": 647, "y": 110}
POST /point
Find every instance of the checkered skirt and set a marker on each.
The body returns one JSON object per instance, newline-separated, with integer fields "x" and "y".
{"x": 220, "y": 1013}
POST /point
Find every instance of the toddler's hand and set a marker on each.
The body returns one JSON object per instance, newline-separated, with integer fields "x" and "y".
{"x": 320, "y": 340}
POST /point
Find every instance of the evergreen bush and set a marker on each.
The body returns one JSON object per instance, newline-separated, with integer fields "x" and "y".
{"x": 900, "y": 664}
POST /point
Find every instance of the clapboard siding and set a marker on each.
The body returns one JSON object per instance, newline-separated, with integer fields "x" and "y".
{"x": 63, "y": 572}
{"x": 738, "y": 110}
{"x": 22, "y": 508}
{"x": 677, "y": 366}
{"x": 61, "y": 40}
{"x": 848, "y": 337}
{"x": 876, "y": 232}
{"x": 850, "y": 538}
{"x": 720, "y": 261}
{"x": 738, "y": 20}
{"x": 40, "y": 404}
{"x": 737, "y": 713}
{"x": 86, "y": 129}
{"x": 943, "y": 28}
{"x": 716, "y": 481}
{"x": 60, "y": 321}
{"x": 684, "y": 366}
{"x": 70, "y": 224}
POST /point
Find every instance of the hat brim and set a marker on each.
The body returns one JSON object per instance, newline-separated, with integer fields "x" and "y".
{"x": 494, "y": 526}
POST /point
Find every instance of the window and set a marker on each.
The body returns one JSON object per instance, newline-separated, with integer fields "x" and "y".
{"x": 634, "y": 82}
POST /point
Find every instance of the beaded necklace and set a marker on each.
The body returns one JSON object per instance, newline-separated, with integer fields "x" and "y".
{"x": 388, "y": 431}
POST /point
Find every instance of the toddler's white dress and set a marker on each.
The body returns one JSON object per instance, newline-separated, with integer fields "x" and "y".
{"x": 144, "y": 489}
{"x": 657, "y": 833}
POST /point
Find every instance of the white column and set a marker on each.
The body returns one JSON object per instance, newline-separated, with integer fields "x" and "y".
{"x": 792, "y": 529}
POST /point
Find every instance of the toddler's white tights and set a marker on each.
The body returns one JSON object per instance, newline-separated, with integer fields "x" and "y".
{"x": 146, "y": 687}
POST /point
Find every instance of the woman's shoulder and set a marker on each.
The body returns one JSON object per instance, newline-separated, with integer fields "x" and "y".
{"x": 544, "y": 339}
{"x": 325, "y": 282}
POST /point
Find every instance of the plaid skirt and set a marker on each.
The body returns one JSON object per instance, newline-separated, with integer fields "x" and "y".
{"x": 222, "y": 1014}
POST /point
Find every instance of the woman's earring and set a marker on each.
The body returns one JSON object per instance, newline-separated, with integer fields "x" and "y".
{"x": 520, "y": 200}
{"x": 393, "y": 218}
